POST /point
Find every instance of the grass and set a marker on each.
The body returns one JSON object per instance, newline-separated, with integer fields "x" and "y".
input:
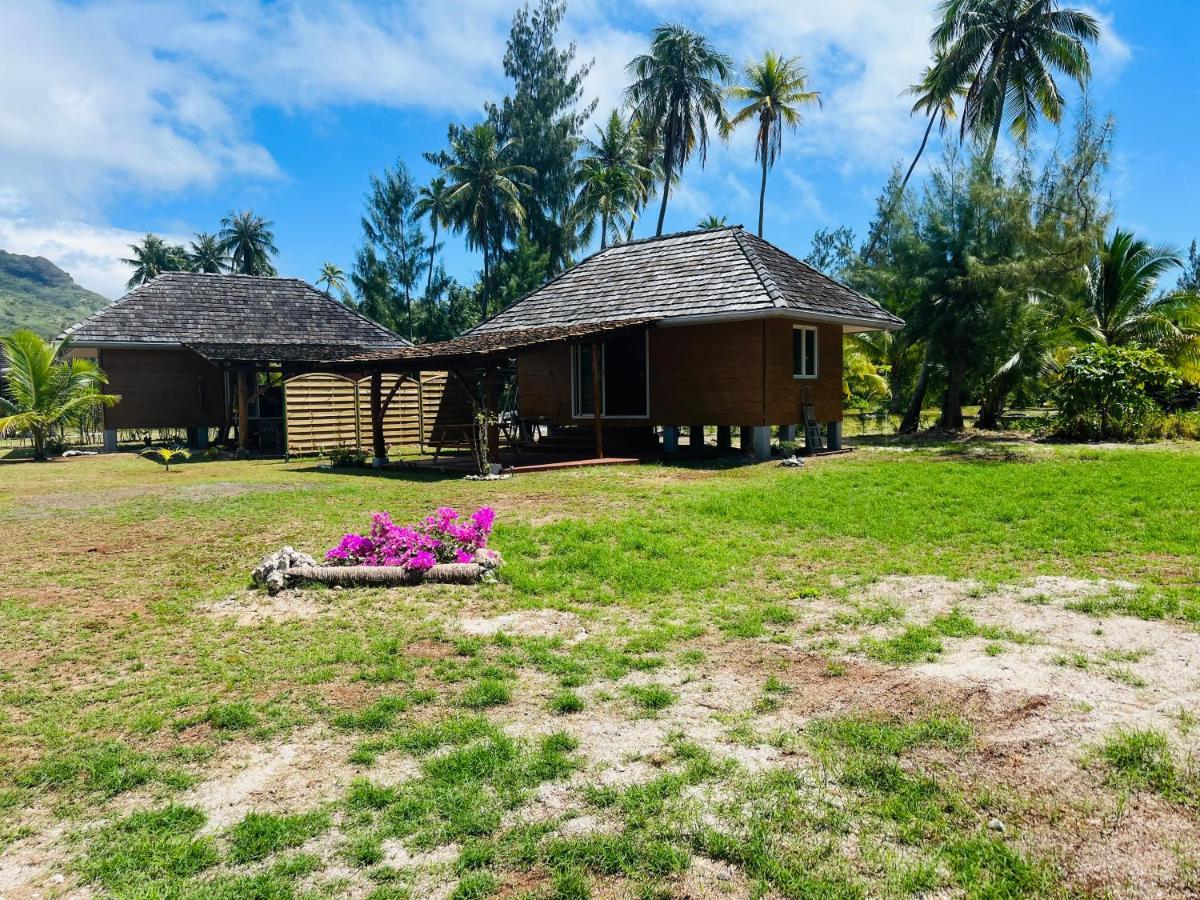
{"x": 1143, "y": 758}
{"x": 259, "y": 835}
{"x": 117, "y": 681}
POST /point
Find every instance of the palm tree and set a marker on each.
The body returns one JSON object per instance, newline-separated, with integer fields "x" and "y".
{"x": 935, "y": 98}
{"x": 710, "y": 222}
{"x": 774, "y": 92}
{"x": 207, "y": 254}
{"x": 613, "y": 177}
{"x": 676, "y": 90}
{"x": 151, "y": 258}
{"x": 249, "y": 241}
{"x": 44, "y": 389}
{"x": 485, "y": 195}
{"x": 1005, "y": 53}
{"x": 1121, "y": 305}
{"x": 333, "y": 279}
{"x": 433, "y": 200}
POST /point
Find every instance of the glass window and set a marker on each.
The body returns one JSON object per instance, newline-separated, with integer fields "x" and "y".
{"x": 582, "y": 356}
{"x": 804, "y": 352}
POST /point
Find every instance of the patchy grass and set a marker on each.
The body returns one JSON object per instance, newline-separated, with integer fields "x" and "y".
{"x": 259, "y": 835}
{"x": 650, "y": 697}
{"x": 1142, "y": 758}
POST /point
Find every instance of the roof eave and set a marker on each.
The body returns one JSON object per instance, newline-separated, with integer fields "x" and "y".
{"x": 801, "y": 315}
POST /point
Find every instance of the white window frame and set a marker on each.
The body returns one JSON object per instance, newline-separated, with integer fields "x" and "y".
{"x": 816, "y": 362}
{"x": 575, "y": 413}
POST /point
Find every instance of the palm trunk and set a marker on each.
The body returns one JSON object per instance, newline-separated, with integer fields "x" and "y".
{"x": 487, "y": 279}
{"x": 432, "y": 251}
{"x": 952, "y": 417}
{"x": 603, "y": 230}
{"x": 762, "y": 190}
{"x": 912, "y": 416}
{"x": 891, "y": 208}
{"x": 668, "y": 148}
{"x": 995, "y": 139}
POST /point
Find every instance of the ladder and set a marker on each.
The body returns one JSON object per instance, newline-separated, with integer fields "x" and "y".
{"x": 812, "y": 429}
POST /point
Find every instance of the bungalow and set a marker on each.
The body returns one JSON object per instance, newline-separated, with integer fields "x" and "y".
{"x": 199, "y": 352}
{"x": 703, "y": 328}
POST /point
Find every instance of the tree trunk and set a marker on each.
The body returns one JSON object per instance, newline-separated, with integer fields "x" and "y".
{"x": 891, "y": 208}
{"x": 432, "y": 251}
{"x": 991, "y": 409}
{"x": 487, "y": 277}
{"x": 39, "y": 444}
{"x": 603, "y": 230}
{"x": 912, "y": 417}
{"x": 668, "y": 147}
{"x": 762, "y": 190}
{"x": 385, "y": 576}
{"x": 952, "y": 417}
{"x": 378, "y": 447}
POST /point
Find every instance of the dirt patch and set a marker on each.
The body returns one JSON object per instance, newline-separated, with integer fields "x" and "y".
{"x": 255, "y": 607}
{"x": 549, "y": 623}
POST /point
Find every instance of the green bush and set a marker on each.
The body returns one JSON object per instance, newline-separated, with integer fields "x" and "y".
{"x": 1113, "y": 393}
{"x": 347, "y": 457}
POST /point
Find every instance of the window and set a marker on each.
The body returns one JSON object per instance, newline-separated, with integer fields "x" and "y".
{"x": 804, "y": 352}
{"x": 624, "y": 385}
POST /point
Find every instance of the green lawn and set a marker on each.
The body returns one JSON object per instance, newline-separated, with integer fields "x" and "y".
{"x": 721, "y": 600}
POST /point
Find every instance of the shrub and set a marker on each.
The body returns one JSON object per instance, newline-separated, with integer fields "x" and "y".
{"x": 443, "y": 537}
{"x": 1109, "y": 392}
{"x": 347, "y": 457}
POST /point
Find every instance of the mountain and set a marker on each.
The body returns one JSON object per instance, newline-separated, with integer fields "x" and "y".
{"x": 37, "y": 294}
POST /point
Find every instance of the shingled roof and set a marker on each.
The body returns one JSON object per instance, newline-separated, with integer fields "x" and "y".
{"x": 235, "y": 317}
{"x": 711, "y": 274}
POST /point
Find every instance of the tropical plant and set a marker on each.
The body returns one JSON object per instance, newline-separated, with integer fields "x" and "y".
{"x": 433, "y": 202}
{"x": 709, "y": 222}
{"x": 207, "y": 254}
{"x": 43, "y": 387}
{"x": 676, "y": 90}
{"x": 152, "y": 257}
{"x": 1004, "y": 54}
{"x": 167, "y": 455}
{"x": 613, "y": 181}
{"x": 775, "y": 90}
{"x": 864, "y": 373}
{"x": 485, "y": 195}
{"x": 249, "y": 242}
{"x": 332, "y": 280}
{"x": 1122, "y": 305}
{"x": 1112, "y": 392}
{"x": 390, "y": 226}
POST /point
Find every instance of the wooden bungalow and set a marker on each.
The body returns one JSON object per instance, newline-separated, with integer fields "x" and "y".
{"x": 218, "y": 352}
{"x": 703, "y": 328}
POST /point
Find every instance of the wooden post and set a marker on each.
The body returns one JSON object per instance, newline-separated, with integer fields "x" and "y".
{"x": 597, "y": 404}
{"x": 243, "y": 407}
{"x": 747, "y": 439}
{"x": 378, "y": 447}
{"x": 696, "y": 439}
{"x": 491, "y": 388}
{"x": 724, "y": 438}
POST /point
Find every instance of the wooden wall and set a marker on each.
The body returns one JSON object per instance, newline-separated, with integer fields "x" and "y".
{"x": 169, "y": 388}
{"x": 704, "y": 375}
{"x": 328, "y": 411}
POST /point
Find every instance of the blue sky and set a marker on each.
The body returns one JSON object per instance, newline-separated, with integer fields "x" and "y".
{"x": 120, "y": 117}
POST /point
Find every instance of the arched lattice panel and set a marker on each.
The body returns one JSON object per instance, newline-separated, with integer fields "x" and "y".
{"x": 401, "y": 423}
{"x": 322, "y": 413}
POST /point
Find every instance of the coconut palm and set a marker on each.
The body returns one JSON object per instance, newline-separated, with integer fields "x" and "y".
{"x": 710, "y": 222}
{"x": 43, "y": 388}
{"x": 676, "y": 90}
{"x": 485, "y": 194}
{"x": 333, "y": 280}
{"x": 207, "y": 255}
{"x": 433, "y": 200}
{"x": 151, "y": 258}
{"x": 935, "y": 97}
{"x": 775, "y": 91}
{"x": 1122, "y": 306}
{"x": 612, "y": 178}
{"x": 249, "y": 241}
{"x": 1005, "y": 53}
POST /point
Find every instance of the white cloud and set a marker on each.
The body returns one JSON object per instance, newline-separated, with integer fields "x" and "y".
{"x": 91, "y": 254}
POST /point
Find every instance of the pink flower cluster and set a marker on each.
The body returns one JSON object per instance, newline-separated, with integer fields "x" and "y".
{"x": 443, "y": 537}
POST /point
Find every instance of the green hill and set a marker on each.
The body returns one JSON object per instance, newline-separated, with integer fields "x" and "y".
{"x": 37, "y": 294}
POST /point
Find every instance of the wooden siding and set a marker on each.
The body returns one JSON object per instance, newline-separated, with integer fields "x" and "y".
{"x": 328, "y": 411}
{"x": 170, "y": 388}
{"x": 710, "y": 374}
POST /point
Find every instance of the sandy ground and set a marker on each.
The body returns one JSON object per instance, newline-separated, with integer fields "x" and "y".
{"x": 1035, "y": 708}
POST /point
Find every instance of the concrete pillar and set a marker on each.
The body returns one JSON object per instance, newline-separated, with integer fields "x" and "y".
{"x": 670, "y": 439}
{"x": 833, "y": 435}
{"x": 761, "y": 442}
{"x": 696, "y": 438}
{"x": 110, "y": 440}
{"x": 787, "y": 432}
{"x": 724, "y": 438}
